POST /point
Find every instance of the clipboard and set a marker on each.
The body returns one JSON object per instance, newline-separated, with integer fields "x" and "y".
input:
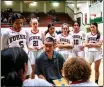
{"x": 60, "y": 82}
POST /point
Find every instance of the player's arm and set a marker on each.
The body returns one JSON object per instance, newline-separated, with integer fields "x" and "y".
{"x": 4, "y": 40}
{"x": 83, "y": 36}
{"x": 99, "y": 43}
{"x": 65, "y": 45}
{"x": 43, "y": 37}
{"x": 27, "y": 38}
{"x": 62, "y": 44}
{"x": 86, "y": 43}
{"x": 41, "y": 76}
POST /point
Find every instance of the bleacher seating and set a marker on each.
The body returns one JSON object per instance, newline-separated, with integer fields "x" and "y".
{"x": 45, "y": 19}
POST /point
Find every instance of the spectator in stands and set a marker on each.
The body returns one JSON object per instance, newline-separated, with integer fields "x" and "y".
{"x": 77, "y": 72}
{"x": 50, "y": 63}
{"x": 14, "y": 67}
{"x": 55, "y": 19}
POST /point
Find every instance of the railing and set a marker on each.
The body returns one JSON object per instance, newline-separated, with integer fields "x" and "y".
{"x": 77, "y": 14}
{"x": 70, "y": 12}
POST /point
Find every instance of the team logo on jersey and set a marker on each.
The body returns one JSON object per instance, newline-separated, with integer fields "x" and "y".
{"x": 64, "y": 40}
{"x": 34, "y": 37}
{"x": 77, "y": 36}
{"x": 17, "y": 37}
{"x": 93, "y": 39}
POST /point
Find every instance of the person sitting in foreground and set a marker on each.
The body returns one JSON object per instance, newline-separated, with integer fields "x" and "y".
{"x": 77, "y": 72}
{"x": 14, "y": 67}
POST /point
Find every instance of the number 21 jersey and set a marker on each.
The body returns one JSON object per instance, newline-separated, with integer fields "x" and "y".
{"x": 35, "y": 39}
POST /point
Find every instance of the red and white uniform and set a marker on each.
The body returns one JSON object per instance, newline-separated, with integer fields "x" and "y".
{"x": 54, "y": 36}
{"x": 12, "y": 38}
{"x": 78, "y": 39}
{"x": 66, "y": 52}
{"x": 35, "y": 41}
{"x": 93, "y": 54}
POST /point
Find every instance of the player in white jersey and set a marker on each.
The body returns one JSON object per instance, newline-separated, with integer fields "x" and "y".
{"x": 79, "y": 37}
{"x": 35, "y": 43}
{"x": 51, "y": 32}
{"x": 94, "y": 41}
{"x": 65, "y": 42}
{"x": 16, "y": 36}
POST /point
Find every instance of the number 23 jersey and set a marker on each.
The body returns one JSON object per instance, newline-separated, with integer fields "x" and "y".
{"x": 11, "y": 38}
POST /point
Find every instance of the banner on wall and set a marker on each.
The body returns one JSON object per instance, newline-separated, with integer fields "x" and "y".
{"x": 96, "y": 10}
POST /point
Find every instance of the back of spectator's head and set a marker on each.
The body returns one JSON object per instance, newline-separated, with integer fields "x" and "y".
{"x": 76, "y": 69}
{"x": 13, "y": 66}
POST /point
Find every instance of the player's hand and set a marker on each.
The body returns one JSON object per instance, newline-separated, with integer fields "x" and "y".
{"x": 81, "y": 47}
{"x": 90, "y": 45}
{"x": 36, "y": 48}
{"x": 32, "y": 75}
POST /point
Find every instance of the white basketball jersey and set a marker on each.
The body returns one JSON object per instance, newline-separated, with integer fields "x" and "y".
{"x": 65, "y": 39}
{"x": 54, "y": 36}
{"x": 78, "y": 38}
{"x": 11, "y": 38}
{"x": 93, "y": 39}
{"x": 35, "y": 39}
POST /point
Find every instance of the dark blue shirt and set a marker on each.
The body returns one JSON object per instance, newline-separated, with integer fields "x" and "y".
{"x": 49, "y": 68}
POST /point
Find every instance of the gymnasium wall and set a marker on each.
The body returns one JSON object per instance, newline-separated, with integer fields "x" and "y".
{"x": 61, "y": 7}
{"x": 96, "y": 8}
{"x": 15, "y": 6}
{"x": 39, "y": 6}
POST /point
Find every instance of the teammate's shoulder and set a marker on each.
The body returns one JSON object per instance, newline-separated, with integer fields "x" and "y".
{"x": 6, "y": 31}
{"x": 47, "y": 34}
{"x": 71, "y": 32}
{"x": 92, "y": 83}
{"x": 69, "y": 35}
{"x": 89, "y": 33}
{"x": 26, "y": 29}
{"x": 82, "y": 32}
{"x": 59, "y": 34}
{"x": 43, "y": 82}
{"x": 28, "y": 82}
{"x": 36, "y": 82}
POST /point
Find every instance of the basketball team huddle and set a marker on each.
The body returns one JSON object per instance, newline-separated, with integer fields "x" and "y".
{"x": 67, "y": 43}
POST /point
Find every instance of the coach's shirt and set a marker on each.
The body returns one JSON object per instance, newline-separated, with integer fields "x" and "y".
{"x": 49, "y": 68}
